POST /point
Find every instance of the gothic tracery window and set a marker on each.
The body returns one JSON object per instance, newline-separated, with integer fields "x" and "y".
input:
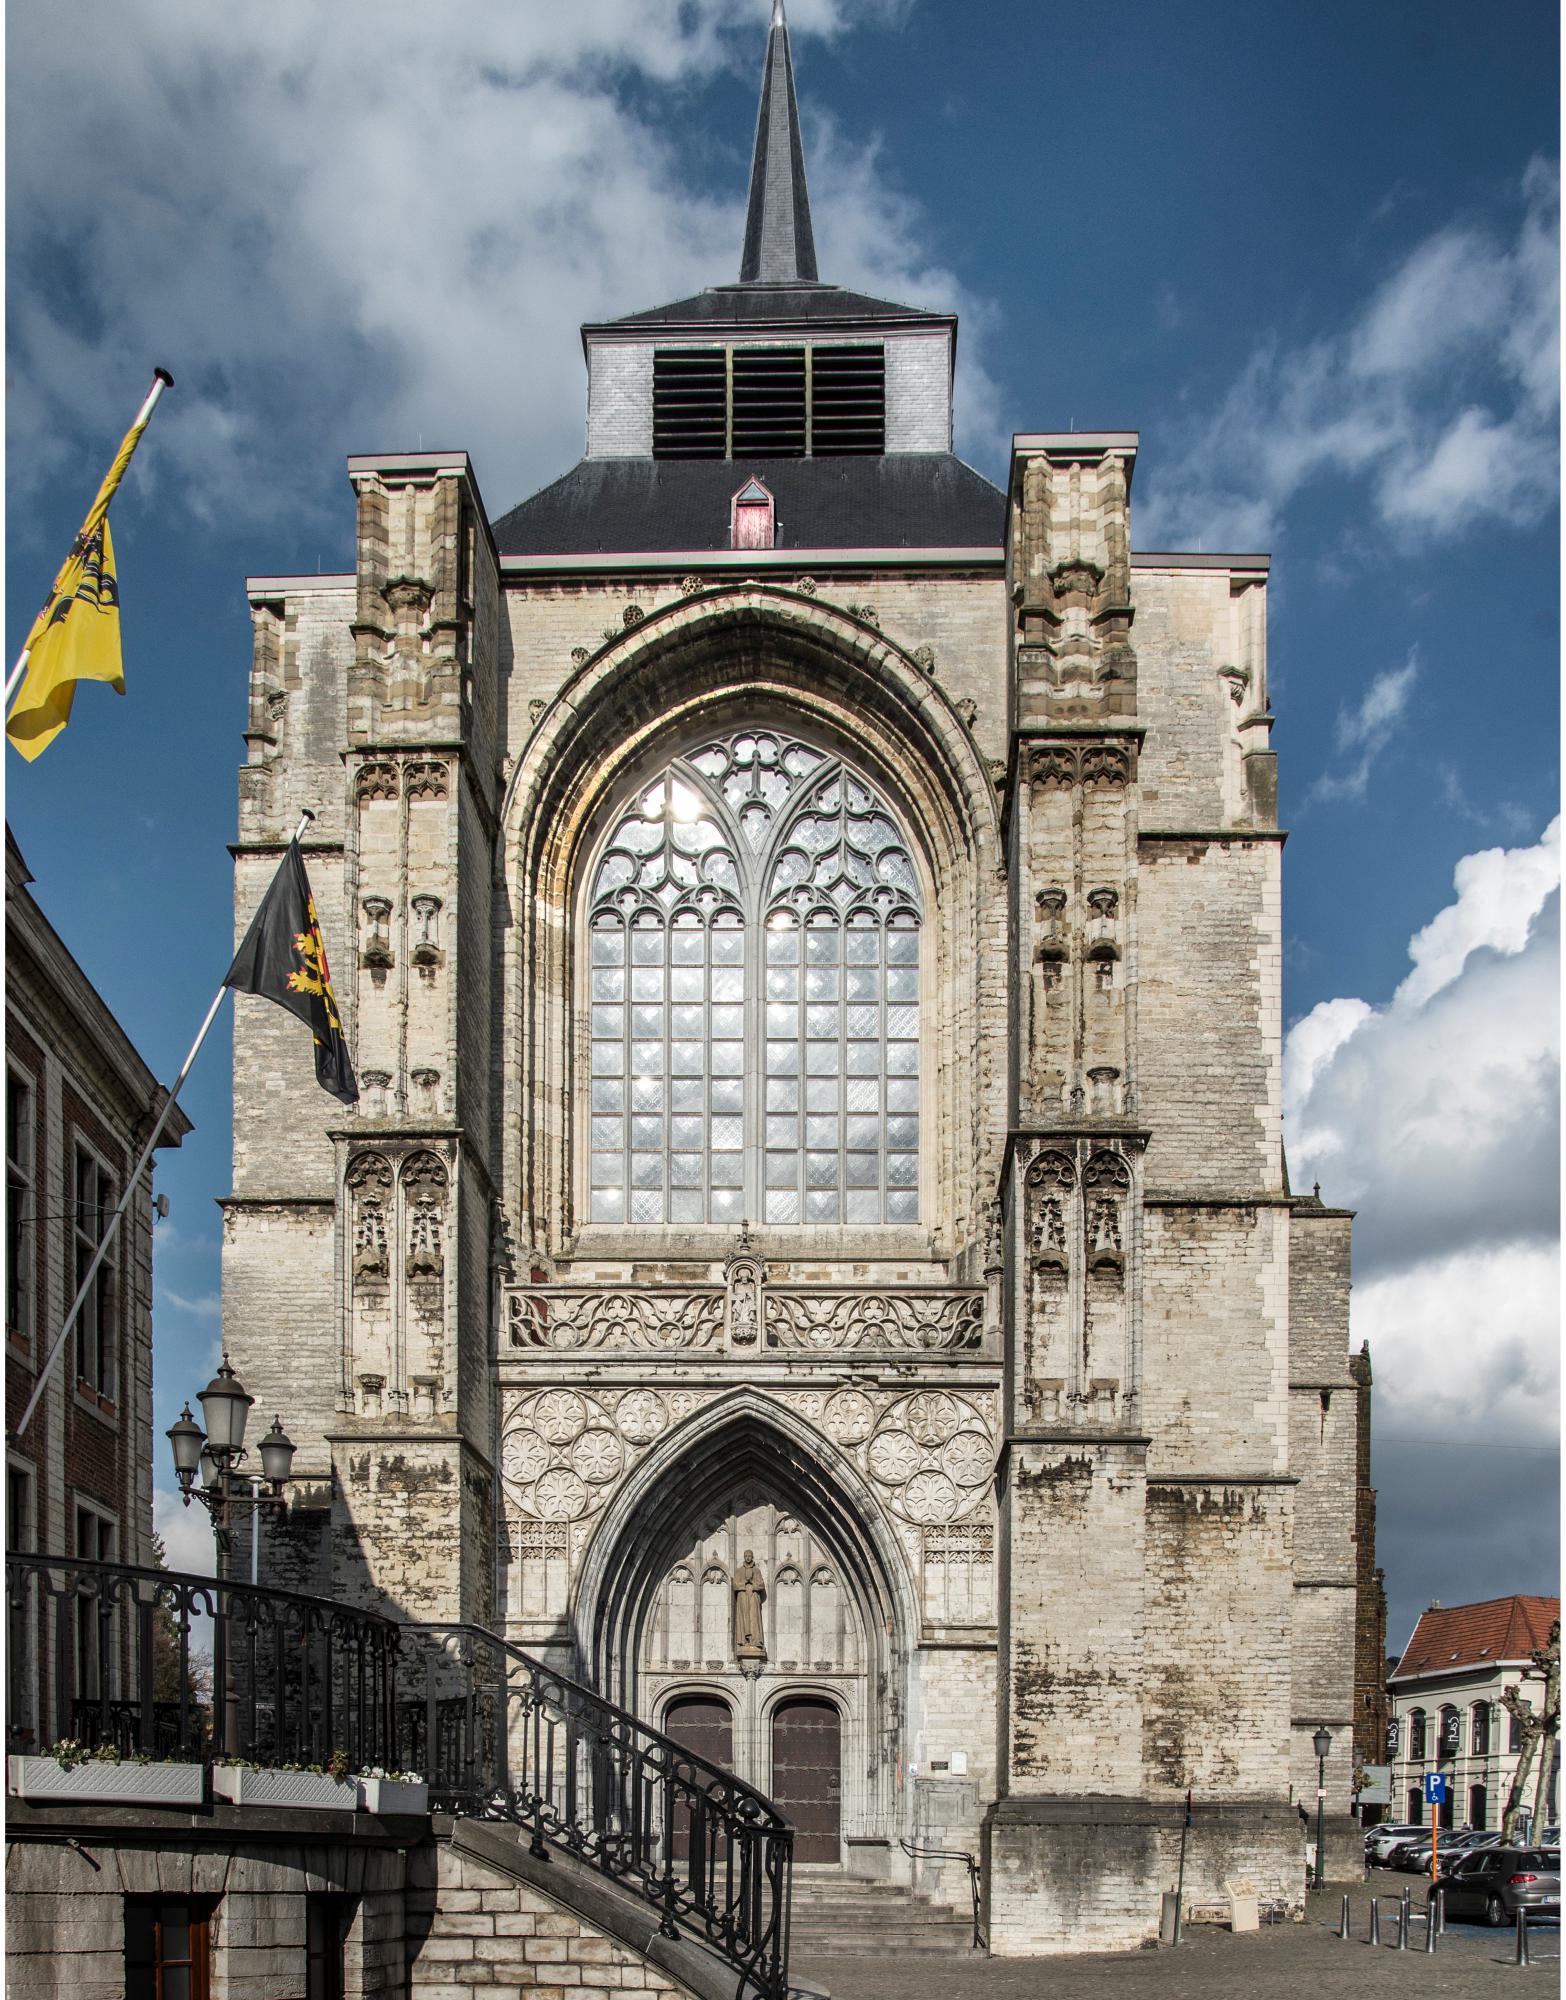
{"x": 754, "y": 922}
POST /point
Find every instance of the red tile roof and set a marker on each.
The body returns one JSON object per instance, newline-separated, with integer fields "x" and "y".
{"x": 1475, "y": 1635}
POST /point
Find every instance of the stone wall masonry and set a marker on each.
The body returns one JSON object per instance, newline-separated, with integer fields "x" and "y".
{"x": 1072, "y": 1642}
{"x": 1215, "y": 1369}
{"x": 280, "y": 1309}
{"x": 1186, "y": 638}
{"x": 1319, "y": 1241}
{"x": 492, "y": 1935}
{"x": 1208, "y": 993}
{"x": 1216, "y": 1644}
{"x": 65, "y": 1911}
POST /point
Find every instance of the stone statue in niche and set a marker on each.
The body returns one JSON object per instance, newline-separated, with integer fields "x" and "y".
{"x": 744, "y": 1281}
{"x": 750, "y": 1590}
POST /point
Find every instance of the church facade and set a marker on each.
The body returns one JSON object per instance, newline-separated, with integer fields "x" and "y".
{"x": 813, "y": 1255}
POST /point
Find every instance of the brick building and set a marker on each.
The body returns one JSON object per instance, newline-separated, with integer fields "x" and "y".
{"x": 814, "y": 1255}
{"x": 79, "y": 1104}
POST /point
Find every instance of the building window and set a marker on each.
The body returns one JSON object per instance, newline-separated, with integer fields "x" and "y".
{"x": 19, "y": 1208}
{"x": 822, "y": 400}
{"x": 94, "y": 1204}
{"x": 754, "y": 923}
{"x": 1478, "y": 1806}
{"x": 1416, "y": 1806}
{"x": 328, "y": 1921}
{"x": 1514, "y": 1736}
{"x": 1481, "y": 1735}
{"x": 21, "y": 1537}
{"x": 1416, "y": 1733}
{"x": 1450, "y": 1740}
{"x": 95, "y": 1650}
{"x": 168, "y": 1948}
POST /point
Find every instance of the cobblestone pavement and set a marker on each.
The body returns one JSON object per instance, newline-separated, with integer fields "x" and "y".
{"x": 1274, "y": 1963}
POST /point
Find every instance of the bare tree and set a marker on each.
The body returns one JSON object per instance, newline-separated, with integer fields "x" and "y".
{"x": 1537, "y": 1729}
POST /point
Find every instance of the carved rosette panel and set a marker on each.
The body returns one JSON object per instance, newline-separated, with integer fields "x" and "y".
{"x": 563, "y": 1452}
{"x": 823, "y": 1319}
{"x": 932, "y": 1455}
{"x": 554, "y": 1316}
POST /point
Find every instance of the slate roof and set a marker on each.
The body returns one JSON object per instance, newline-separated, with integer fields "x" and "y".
{"x": 746, "y": 305}
{"x": 779, "y": 242}
{"x": 638, "y": 505}
{"x": 1459, "y": 1636}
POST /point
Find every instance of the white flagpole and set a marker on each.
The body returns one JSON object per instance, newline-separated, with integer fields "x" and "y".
{"x": 131, "y": 1182}
{"x": 161, "y": 380}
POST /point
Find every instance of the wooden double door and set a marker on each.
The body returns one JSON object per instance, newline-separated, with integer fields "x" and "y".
{"x": 805, "y": 1775}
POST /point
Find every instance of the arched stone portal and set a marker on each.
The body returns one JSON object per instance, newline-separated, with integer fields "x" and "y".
{"x": 656, "y": 1616}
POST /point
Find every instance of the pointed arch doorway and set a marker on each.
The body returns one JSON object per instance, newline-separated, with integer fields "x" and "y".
{"x": 811, "y": 1715}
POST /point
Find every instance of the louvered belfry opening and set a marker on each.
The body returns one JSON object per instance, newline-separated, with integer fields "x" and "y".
{"x": 690, "y": 403}
{"x": 769, "y": 402}
{"x": 822, "y": 401}
{"x": 847, "y": 400}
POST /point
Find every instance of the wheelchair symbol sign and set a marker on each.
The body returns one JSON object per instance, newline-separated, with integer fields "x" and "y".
{"x": 1435, "y": 1788}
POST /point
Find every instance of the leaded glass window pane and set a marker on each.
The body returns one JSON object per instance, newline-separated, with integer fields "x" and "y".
{"x": 754, "y": 954}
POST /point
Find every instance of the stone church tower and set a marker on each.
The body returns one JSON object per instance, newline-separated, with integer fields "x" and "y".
{"x": 813, "y": 1255}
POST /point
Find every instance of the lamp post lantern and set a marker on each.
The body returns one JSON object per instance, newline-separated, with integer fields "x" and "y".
{"x": 1321, "y": 1743}
{"x": 216, "y": 1453}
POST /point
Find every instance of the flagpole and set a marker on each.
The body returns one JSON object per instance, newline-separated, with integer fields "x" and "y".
{"x": 161, "y": 380}
{"x": 132, "y": 1181}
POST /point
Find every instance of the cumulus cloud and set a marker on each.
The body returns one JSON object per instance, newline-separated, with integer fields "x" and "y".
{"x": 1364, "y": 731}
{"x": 1437, "y": 1116}
{"x": 357, "y": 228}
{"x": 186, "y": 1533}
{"x": 1440, "y": 396}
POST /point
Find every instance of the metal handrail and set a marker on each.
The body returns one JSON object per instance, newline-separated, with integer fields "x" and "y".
{"x": 111, "y": 1654}
{"x": 954, "y": 1854}
{"x": 505, "y": 1737}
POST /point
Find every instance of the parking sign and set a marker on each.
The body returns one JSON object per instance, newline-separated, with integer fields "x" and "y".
{"x": 1435, "y": 1788}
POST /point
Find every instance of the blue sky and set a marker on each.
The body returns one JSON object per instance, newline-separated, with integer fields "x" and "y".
{"x": 1309, "y": 252}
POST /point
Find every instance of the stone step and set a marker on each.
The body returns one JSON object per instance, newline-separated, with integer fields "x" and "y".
{"x": 848, "y": 1916}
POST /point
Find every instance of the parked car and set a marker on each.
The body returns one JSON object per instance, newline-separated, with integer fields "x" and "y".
{"x": 1494, "y": 1883}
{"x": 1380, "y": 1841}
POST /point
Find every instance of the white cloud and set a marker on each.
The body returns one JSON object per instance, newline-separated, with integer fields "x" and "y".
{"x": 1362, "y": 733}
{"x": 1499, "y": 894}
{"x": 356, "y": 227}
{"x": 1441, "y": 392}
{"x": 187, "y": 1534}
{"x": 1437, "y": 1117}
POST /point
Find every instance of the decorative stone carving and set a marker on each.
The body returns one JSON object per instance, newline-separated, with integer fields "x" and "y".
{"x": 369, "y": 1183}
{"x": 1052, "y": 765}
{"x": 914, "y": 1456}
{"x": 968, "y": 711}
{"x": 806, "y": 586}
{"x": 865, "y": 613}
{"x": 580, "y": 656}
{"x": 642, "y": 1416}
{"x": 560, "y": 1455}
{"x": 426, "y": 779}
{"x": 850, "y": 1416}
{"x": 689, "y": 585}
{"x": 920, "y": 1319}
{"x": 376, "y": 780}
{"x": 559, "y": 1316}
{"x": 537, "y": 705}
{"x": 426, "y": 946}
{"x": 1107, "y": 1184}
{"x": 1051, "y": 1181}
{"x": 924, "y": 659}
{"x": 745, "y": 1278}
{"x": 633, "y": 614}
{"x": 1238, "y": 681}
{"x": 374, "y": 1085}
{"x": 424, "y": 1191}
{"x": 377, "y": 953}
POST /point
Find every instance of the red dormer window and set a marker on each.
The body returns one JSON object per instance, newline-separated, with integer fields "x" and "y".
{"x": 752, "y": 522}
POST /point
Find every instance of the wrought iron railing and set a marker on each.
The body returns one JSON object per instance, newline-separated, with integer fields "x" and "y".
{"x": 518, "y": 1741}
{"x": 193, "y": 1668}
{"x": 970, "y": 1862}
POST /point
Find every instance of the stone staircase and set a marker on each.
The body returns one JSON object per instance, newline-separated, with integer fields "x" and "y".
{"x": 842, "y": 1916}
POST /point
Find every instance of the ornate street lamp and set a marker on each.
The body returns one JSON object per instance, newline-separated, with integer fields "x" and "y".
{"x": 216, "y": 1453}
{"x": 1321, "y": 1743}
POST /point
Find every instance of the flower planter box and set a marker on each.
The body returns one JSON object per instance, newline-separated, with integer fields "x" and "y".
{"x": 113, "y": 1784}
{"x": 294, "y": 1789}
{"x": 392, "y": 1795}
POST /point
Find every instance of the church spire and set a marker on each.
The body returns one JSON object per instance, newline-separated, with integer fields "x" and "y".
{"x": 779, "y": 246}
